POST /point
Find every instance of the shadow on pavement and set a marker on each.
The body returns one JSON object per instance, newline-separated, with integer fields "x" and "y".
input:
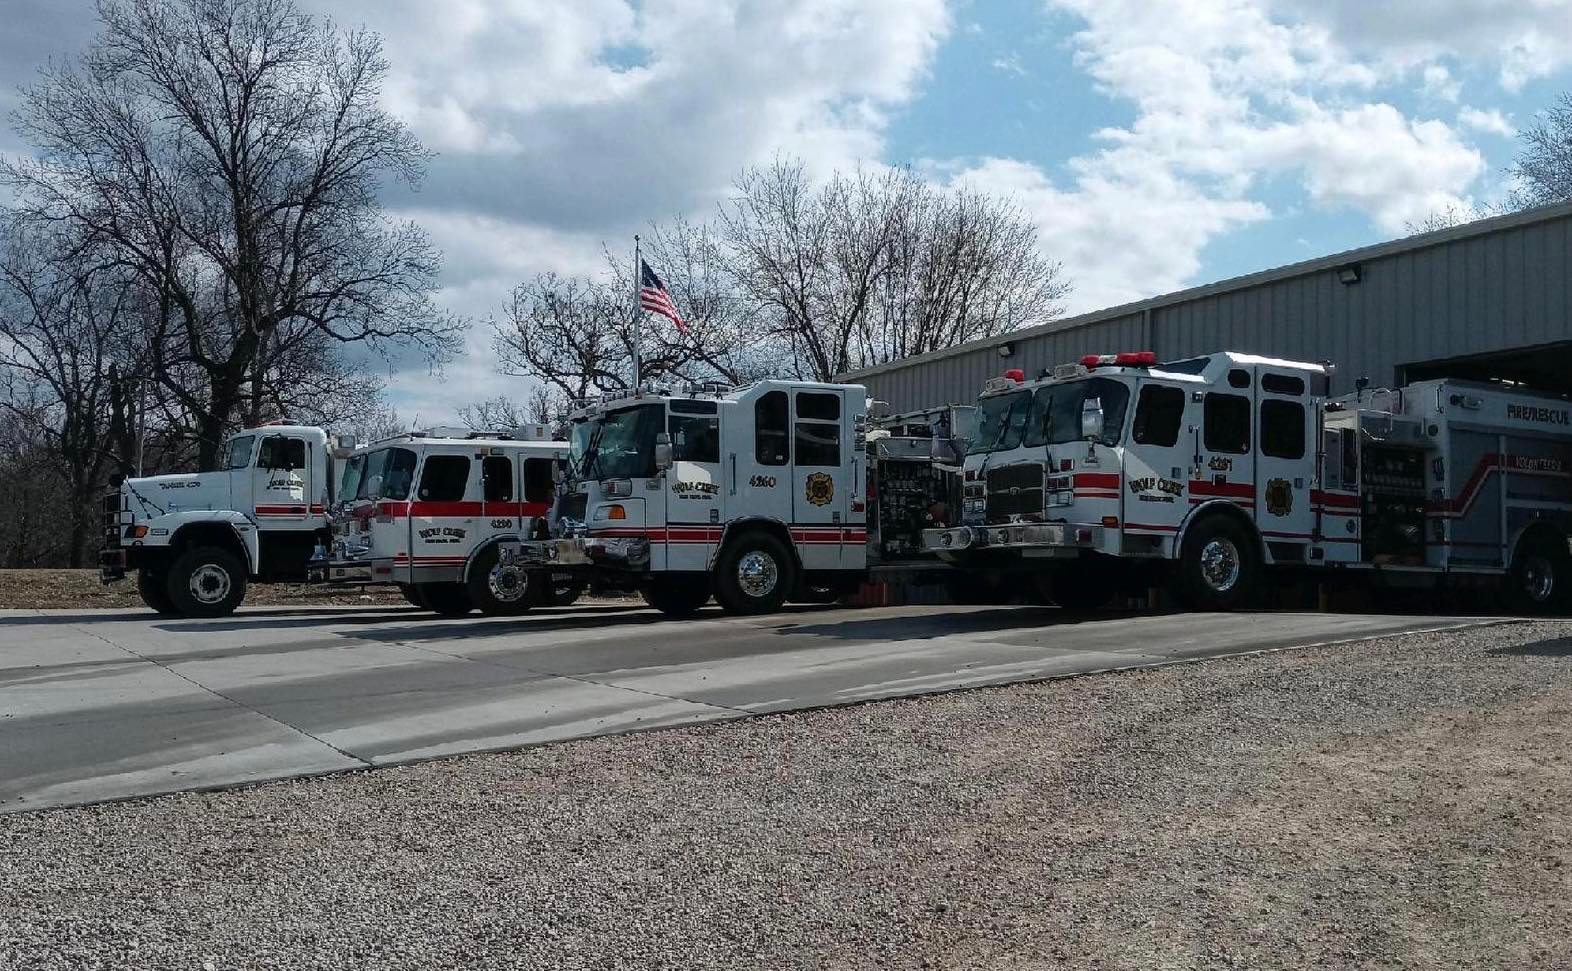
{"x": 996, "y": 619}
{"x": 1560, "y": 647}
{"x": 365, "y": 617}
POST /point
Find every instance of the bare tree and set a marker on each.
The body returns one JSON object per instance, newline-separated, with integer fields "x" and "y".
{"x": 1543, "y": 168}
{"x": 229, "y": 153}
{"x": 879, "y": 265}
{"x": 62, "y": 327}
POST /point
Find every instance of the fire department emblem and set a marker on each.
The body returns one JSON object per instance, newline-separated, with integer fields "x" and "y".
{"x": 820, "y": 489}
{"x": 1279, "y": 497}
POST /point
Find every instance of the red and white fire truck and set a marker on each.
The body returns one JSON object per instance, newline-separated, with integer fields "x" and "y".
{"x": 428, "y": 511}
{"x": 754, "y": 495}
{"x": 1211, "y": 470}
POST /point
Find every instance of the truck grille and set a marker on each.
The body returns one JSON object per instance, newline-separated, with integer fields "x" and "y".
{"x": 1015, "y": 490}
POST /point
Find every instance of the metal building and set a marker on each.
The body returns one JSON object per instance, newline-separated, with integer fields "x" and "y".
{"x": 1490, "y": 299}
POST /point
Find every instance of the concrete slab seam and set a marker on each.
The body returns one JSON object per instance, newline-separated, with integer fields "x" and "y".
{"x": 219, "y": 694}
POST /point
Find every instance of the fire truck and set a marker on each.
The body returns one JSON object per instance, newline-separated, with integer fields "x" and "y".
{"x": 1120, "y": 471}
{"x": 752, "y": 495}
{"x": 196, "y": 540}
{"x": 427, "y": 511}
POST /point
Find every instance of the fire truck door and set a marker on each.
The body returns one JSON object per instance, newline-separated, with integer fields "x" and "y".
{"x": 1224, "y": 445}
{"x": 442, "y": 523}
{"x": 1285, "y": 460}
{"x": 756, "y": 461}
{"x": 282, "y": 491}
{"x": 1157, "y": 461}
{"x": 693, "y": 485}
{"x": 499, "y": 511}
{"x": 821, "y": 478}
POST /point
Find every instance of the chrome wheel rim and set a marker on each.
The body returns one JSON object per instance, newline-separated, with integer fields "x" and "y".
{"x": 1220, "y": 564}
{"x": 757, "y": 574}
{"x": 1539, "y": 579}
{"x": 508, "y": 584}
{"x": 210, "y": 583}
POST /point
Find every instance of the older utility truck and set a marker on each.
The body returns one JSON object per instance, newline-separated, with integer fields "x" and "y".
{"x": 428, "y": 511}
{"x": 1211, "y": 470}
{"x": 195, "y": 540}
{"x": 753, "y": 495}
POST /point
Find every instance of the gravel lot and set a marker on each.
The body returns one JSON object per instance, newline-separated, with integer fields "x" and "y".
{"x": 1399, "y": 803}
{"x": 45, "y": 589}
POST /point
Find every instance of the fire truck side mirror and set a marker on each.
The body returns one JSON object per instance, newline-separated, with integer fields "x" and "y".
{"x": 663, "y": 456}
{"x": 1092, "y": 419}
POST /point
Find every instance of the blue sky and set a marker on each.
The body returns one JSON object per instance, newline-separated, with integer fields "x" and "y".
{"x": 1155, "y": 145}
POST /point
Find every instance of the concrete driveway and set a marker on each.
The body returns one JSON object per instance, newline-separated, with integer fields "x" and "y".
{"x": 98, "y": 705}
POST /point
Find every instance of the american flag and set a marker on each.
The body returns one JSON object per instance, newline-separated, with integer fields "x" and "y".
{"x": 654, "y": 296}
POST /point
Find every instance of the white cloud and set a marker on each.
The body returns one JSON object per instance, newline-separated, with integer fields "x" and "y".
{"x": 1228, "y": 100}
{"x": 1490, "y": 121}
{"x": 1010, "y": 64}
{"x": 1519, "y": 40}
{"x": 1439, "y": 83}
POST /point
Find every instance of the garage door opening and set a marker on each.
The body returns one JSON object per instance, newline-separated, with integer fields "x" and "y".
{"x": 1547, "y": 367}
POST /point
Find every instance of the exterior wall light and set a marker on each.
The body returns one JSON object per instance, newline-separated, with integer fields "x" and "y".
{"x": 1350, "y": 274}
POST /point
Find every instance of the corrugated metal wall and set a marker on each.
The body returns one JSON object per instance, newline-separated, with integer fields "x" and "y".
{"x": 1505, "y": 289}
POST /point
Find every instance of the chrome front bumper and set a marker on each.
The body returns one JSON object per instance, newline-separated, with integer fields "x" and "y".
{"x": 547, "y": 553}
{"x": 1049, "y": 538}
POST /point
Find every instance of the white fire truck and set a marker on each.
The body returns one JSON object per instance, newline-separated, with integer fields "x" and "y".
{"x": 1210, "y": 470}
{"x": 754, "y": 495}
{"x": 195, "y": 540}
{"x": 428, "y": 510}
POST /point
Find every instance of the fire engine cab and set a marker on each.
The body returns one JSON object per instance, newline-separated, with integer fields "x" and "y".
{"x": 428, "y": 510}
{"x": 1212, "y": 469}
{"x": 754, "y": 494}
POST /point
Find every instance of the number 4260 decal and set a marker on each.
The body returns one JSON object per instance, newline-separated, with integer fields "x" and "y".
{"x": 762, "y": 482}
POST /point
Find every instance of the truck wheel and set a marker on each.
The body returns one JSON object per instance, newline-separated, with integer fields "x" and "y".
{"x": 676, "y": 596}
{"x": 206, "y": 582}
{"x": 1218, "y": 564}
{"x": 447, "y": 599}
{"x": 154, "y": 589}
{"x": 497, "y": 588}
{"x": 412, "y": 594}
{"x": 1541, "y": 574}
{"x": 754, "y": 575}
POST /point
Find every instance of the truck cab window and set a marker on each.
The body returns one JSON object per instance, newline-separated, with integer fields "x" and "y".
{"x": 1283, "y": 429}
{"x": 695, "y": 438}
{"x": 497, "y": 470}
{"x": 444, "y": 478}
{"x": 1159, "y": 411}
{"x": 1226, "y": 418}
{"x": 238, "y": 454}
{"x": 278, "y": 452}
{"x": 771, "y": 429}
{"x": 539, "y": 485}
{"x": 818, "y": 435}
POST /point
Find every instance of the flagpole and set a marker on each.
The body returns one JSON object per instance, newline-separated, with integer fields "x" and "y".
{"x": 638, "y": 315}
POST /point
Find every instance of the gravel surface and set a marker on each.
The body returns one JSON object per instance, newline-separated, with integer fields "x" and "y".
{"x": 1398, "y": 803}
{"x": 45, "y": 589}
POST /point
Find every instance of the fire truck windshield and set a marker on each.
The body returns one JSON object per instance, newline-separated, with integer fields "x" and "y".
{"x": 624, "y": 445}
{"x": 1055, "y": 417}
{"x": 1000, "y": 421}
{"x": 388, "y": 474}
{"x": 350, "y": 484}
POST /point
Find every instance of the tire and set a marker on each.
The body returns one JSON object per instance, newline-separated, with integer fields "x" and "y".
{"x": 1085, "y": 587}
{"x": 446, "y": 599}
{"x": 206, "y": 581}
{"x": 499, "y": 590}
{"x": 154, "y": 589}
{"x": 412, "y": 594}
{"x": 676, "y": 596}
{"x": 754, "y": 575}
{"x": 1218, "y": 565}
{"x": 1541, "y": 577}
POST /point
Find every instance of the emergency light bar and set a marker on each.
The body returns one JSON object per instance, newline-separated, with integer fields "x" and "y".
{"x": 1122, "y": 359}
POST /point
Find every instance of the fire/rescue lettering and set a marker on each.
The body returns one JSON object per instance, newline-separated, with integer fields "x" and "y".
{"x": 442, "y": 534}
{"x": 1531, "y": 463}
{"x": 1153, "y": 489}
{"x": 696, "y": 490}
{"x": 1541, "y": 415}
{"x": 1220, "y": 463}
